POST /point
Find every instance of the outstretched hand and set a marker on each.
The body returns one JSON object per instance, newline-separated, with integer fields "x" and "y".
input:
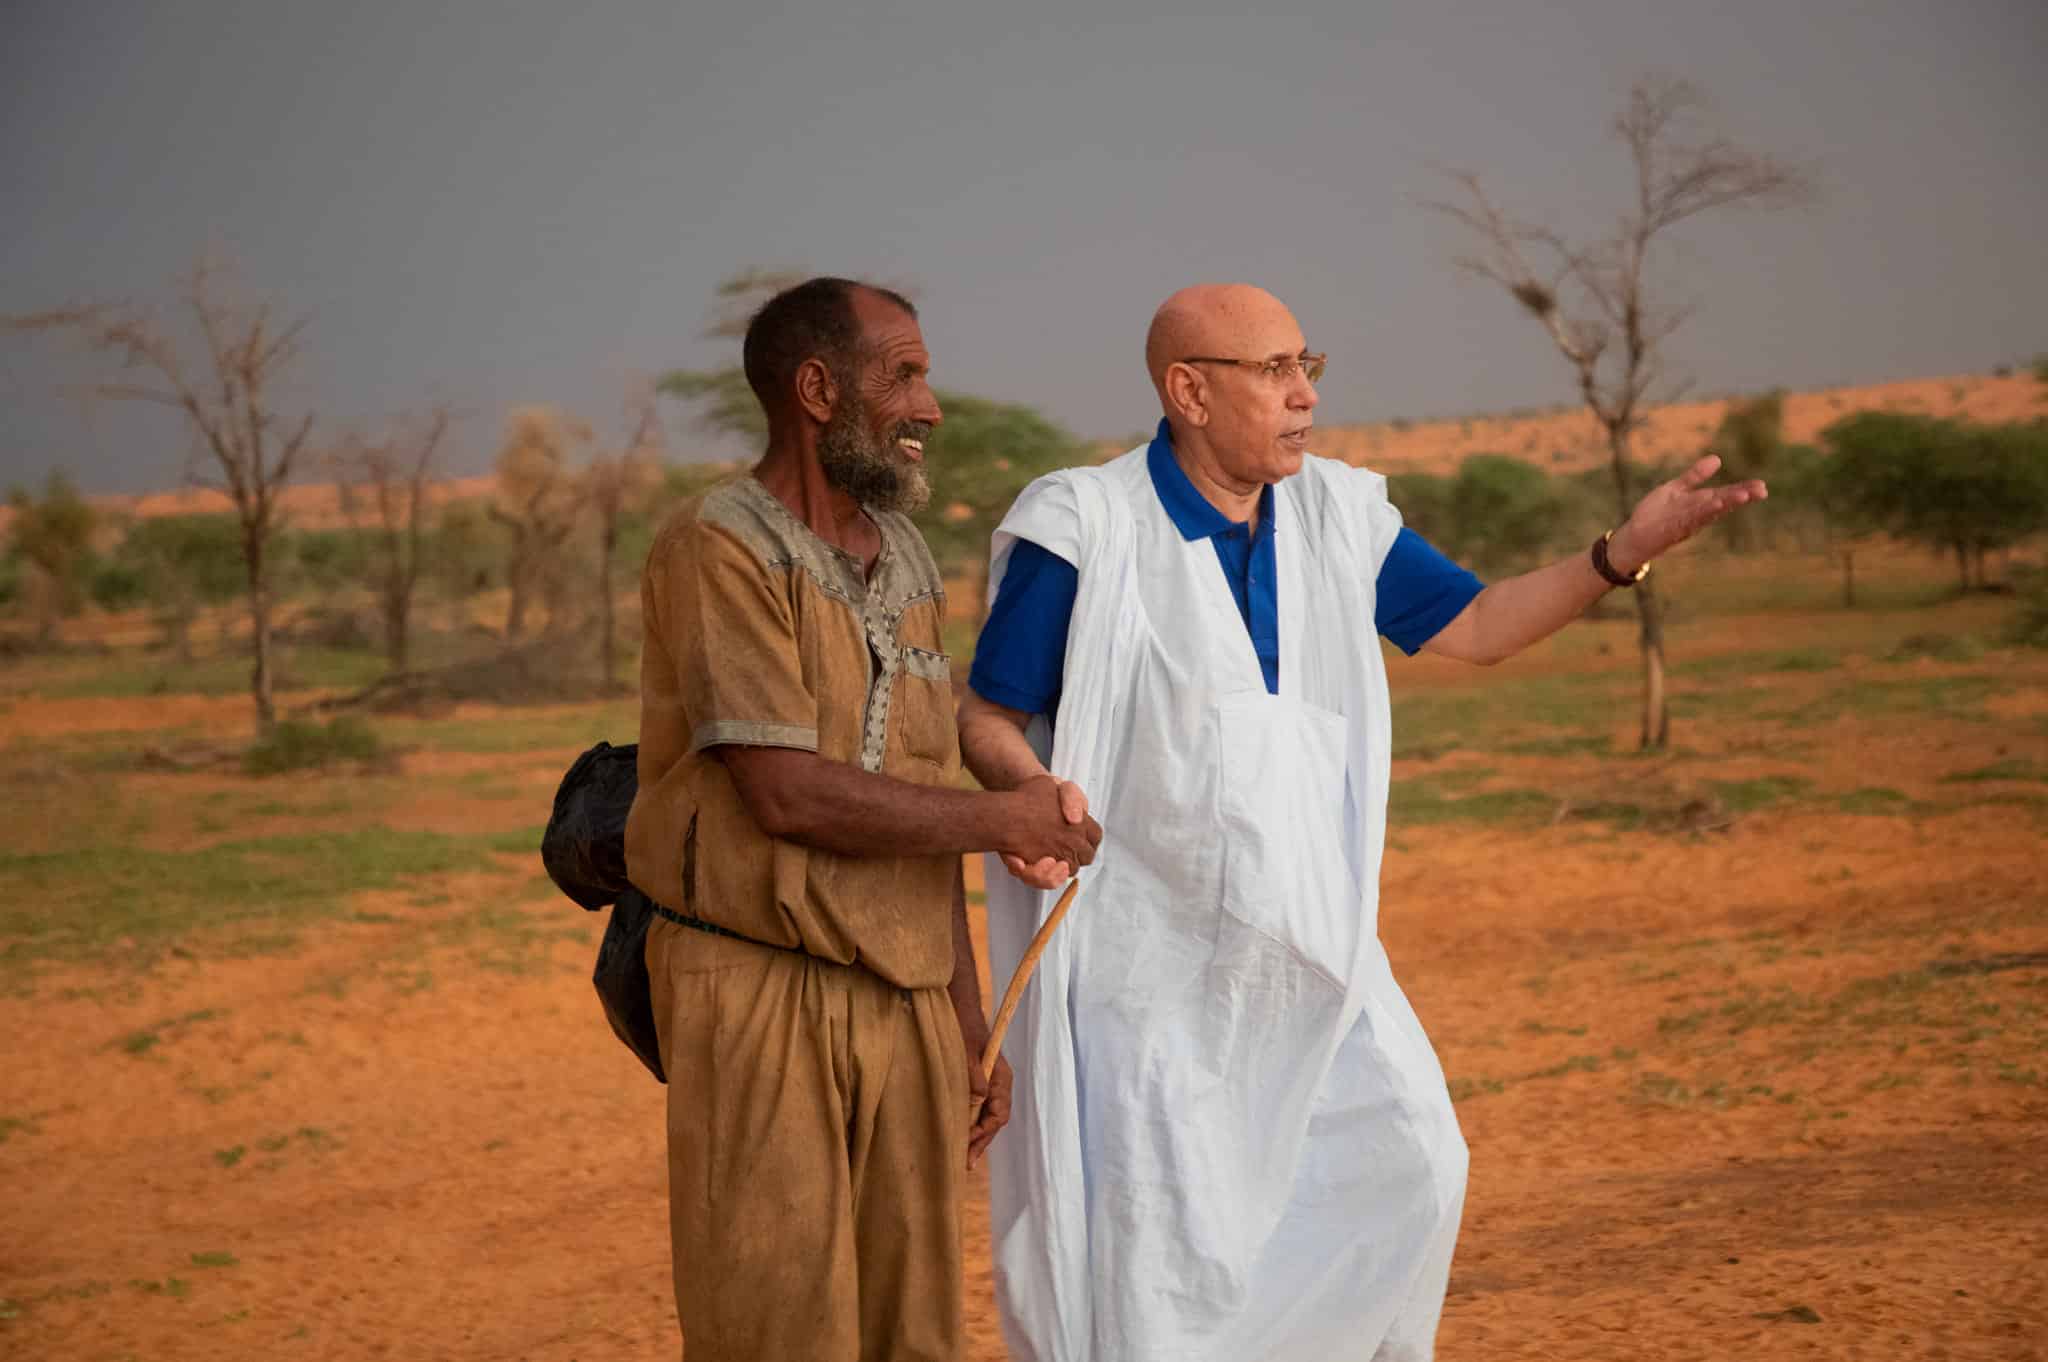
{"x": 1676, "y": 511}
{"x": 1046, "y": 872}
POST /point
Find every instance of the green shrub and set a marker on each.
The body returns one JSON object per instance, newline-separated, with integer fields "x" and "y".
{"x": 1940, "y": 647}
{"x": 302, "y": 744}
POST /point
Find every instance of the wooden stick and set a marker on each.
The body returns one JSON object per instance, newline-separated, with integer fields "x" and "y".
{"x": 1022, "y": 977}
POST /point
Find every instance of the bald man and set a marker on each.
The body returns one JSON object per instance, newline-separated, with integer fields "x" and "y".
{"x": 1230, "y": 1137}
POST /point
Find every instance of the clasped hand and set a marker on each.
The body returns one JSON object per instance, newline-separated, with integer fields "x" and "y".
{"x": 1054, "y": 836}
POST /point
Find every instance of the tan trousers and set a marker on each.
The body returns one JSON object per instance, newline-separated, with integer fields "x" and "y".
{"x": 817, "y": 1141}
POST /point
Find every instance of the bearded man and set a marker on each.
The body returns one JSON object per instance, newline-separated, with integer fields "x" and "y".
{"x": 1232, "y": 1140}
{"x": 799, "y": 830}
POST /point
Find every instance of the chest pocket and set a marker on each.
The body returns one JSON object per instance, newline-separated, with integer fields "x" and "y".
{"x": 923, "y": 706}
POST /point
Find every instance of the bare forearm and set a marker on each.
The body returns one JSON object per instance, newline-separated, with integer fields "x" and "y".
{"x": 1514, "y": 613}
{"x": 993, "y": 746}
{"x": 802, "y": 797}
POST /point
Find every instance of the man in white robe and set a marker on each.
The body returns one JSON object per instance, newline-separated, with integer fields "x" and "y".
{"x": 1230, "y": 1137}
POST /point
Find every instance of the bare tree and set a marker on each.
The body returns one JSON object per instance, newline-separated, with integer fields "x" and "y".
{"x": 1597, "y": 301}
{"x": 616, "y": 484}
{"x": 245, "y": 446}
{"x": 384, "y": 490}
{"x": 539, "y": 498}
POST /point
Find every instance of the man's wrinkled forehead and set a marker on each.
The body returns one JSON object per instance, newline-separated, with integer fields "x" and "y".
{"x": 887, "y": 332}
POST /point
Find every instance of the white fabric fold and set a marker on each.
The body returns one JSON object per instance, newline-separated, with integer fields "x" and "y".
{"x": 1231, "y": 1138}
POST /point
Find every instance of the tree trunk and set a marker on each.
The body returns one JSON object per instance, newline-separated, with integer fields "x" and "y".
{"x": 46, "y": 600}
{"x": 1656, "y": 729}
{"x": 1656, "y": 732}
{"x": 516, "y": 577}
{"x": 397, "y": 631}
{"x": 177, "y": 627}
{"x": 259, "y": 625}
{"x": 1848, "y": 579}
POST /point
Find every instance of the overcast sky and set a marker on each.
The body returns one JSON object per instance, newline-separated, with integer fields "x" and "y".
{"x": 492, "y": 203}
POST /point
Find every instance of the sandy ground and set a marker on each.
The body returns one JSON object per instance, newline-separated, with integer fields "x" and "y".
{"x": 403, "y": 1155}
{"x": 1771, "y": 1089}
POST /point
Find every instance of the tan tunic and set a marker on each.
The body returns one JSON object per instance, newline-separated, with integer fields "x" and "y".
{"x": 760, "y": 633}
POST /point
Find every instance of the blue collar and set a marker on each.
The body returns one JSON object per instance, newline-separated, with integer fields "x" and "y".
{"x": 1189, "y": 510}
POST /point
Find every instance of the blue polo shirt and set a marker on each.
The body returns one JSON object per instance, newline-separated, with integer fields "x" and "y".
{"x": 1023, "y": 649}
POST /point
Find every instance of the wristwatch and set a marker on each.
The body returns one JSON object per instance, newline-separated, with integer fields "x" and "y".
{"x": 1606, "y": 569}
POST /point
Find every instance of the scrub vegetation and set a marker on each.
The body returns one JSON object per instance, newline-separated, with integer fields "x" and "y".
{"x": 1758, "y": 1014}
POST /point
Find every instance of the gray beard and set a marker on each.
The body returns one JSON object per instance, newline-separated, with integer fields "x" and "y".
{"x": 866, "y": 469}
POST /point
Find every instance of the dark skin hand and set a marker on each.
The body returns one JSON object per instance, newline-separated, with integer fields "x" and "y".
{"x": 990, "y": 1099}
{"x": 803, "y": 797}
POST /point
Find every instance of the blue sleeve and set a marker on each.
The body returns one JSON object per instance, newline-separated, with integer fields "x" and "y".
{"x": 1022, "y": 654}
{"x": 1419, "y": 592}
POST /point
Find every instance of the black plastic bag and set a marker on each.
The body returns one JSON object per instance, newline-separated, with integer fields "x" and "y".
{"x": 584, "y": 851}
{"x": 584, "y": 847}
{"x": 621, "y": 979}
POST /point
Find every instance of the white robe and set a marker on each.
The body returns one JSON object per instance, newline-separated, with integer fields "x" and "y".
{"x": 1231, "y": 1138}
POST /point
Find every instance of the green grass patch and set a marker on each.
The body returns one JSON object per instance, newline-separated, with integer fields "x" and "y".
{"x": 1873, "y": 799}
{"x": 1940, "y": 647}
{"x": 1575, "y": 1065}
{"x": 1721, "y": 666}
{"x": 513, "y": 730}
{"x": 18, "y": 1125}
{"x": 129, "y": 676}
{"x": 1562, "y": 745}
{"x": 84, "y": 901}
{"x": 509, "y": 940}
{"x": 1428, "y": 723}
{"x": 143, "y": 1041}
{"x": 2011, "y": 768}
{"x": 1540, "y": 1028}
{"x": 522, "y": 842}
{"x": 1954, "y": 697}
{"x": 1665, "y": 1090}
{"x": 1464, "y": 1089}
{"x": 1802, "y": 660}
{"x": 1761, "y": 792}
{"x": 1419, "y": 800}
{"x": 216, "y": 1259}
{"x": 304, "y": 744}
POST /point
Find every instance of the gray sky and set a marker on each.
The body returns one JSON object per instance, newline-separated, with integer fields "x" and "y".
{"x": 493, "y": 203}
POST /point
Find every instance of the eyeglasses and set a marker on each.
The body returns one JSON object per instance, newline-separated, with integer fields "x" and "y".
{"x": 1278, "y": 370}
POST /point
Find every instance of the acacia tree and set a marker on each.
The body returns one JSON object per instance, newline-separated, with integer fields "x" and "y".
{"x": 538, "y": 500}
{"x": 615, "y": 485}
{"x": 52, "y": 533}
{"x": 1750, "y": 442}
{"x": 246, "y": 447}
{"x": 1953, "y": 486}
{"x": 723, "y": 398}
{"x": 384, "y": 491}
{"x": 1599, "y": 301}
